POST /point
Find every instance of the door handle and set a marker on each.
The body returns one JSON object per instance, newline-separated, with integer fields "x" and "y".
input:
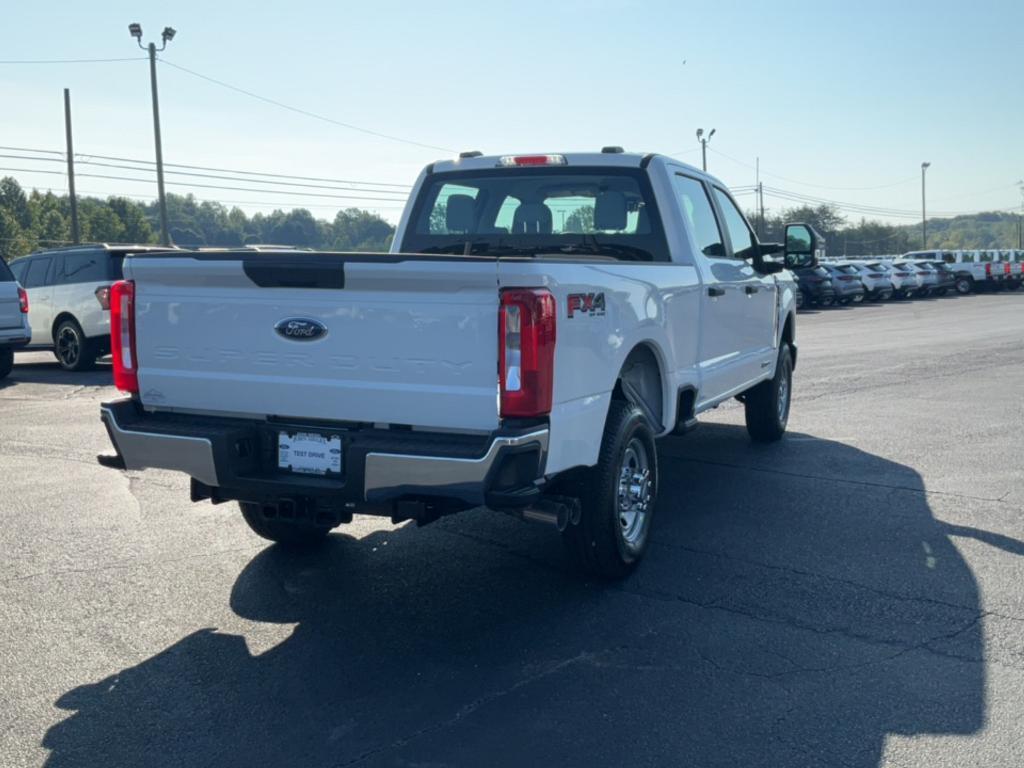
{"x": 752, "y": 289}
{"x": 716, "y": 291}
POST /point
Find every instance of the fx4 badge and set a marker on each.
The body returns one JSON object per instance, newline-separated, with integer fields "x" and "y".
{"x": 589, "y": 303}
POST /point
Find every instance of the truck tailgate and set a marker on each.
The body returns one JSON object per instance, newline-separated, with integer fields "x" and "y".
{"x": 341, "y": 337}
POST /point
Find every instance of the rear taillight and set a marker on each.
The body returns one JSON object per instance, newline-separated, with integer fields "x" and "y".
{"x": 876, "y": 275}
{"x": 23, "y": 300}
{"x": 847, "y": 278}
{"x": 103, "y": 296}
{"x": 1006, "y": 269}
{"x": 526, "y": 358}
{"x": 988, "y": 270}
{"x": 923, "y": 274}
{"x": 902, "y": 274}
{"x": 122, "y": 336}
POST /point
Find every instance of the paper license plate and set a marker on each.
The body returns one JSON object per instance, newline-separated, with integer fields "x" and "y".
{"x": 309, "y": 453}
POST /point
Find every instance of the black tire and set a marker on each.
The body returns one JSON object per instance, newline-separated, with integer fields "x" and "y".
{"x": 964, "y": 285}
{"x": 73, "y": 351}
{"x": 942, "y": 291}
{"x": 6, "y": 361}
{"x": 610, "y": 538}
{"x": 767, "y": 404}
{"x": 287, "y": 533}
{"x": 1013, "y": 286}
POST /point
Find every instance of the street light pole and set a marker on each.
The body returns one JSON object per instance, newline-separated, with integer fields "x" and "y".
{"x": 704, "y": 146}
{"x": 167, "y": 36}
{"x": 924, "y": 220}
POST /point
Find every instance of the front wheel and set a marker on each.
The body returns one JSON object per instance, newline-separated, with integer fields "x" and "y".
{"x": 6, "y": 361}
{"x": 964, "y": 285}
{"x": 767, "y": 405}
{"x": 617, "y": 496}
{"x": 288, "y": 533}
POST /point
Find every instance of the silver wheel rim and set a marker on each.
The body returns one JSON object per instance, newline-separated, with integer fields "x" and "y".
{"x": 635, "y": 492}
{"x": 783, "y": 399}
{"x": 68, "y": 346}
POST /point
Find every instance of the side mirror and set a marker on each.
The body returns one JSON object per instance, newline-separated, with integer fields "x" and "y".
{"x": 804, "y": 246}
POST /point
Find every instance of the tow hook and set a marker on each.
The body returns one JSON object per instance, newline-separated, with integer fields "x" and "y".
{"x": 559, "y": 511}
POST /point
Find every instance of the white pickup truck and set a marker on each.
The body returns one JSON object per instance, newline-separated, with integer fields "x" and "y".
{"x": 540, "y": 321}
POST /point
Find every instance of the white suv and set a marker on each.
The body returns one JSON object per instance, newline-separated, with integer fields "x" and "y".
{"x": 69, "y": 299}
{"x": 14, "y": 330}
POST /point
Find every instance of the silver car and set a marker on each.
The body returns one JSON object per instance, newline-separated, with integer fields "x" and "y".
{"x": 14, "y": 327}
{"x": 876, "y": 281}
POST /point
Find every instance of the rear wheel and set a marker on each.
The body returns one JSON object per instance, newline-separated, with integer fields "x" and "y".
{"x": 617, "y": 497}
{"x": 767, "y": 404}
{"x": 1013, "y": 286}
{"x": 6, "y": 361}
{"x": 288, "y": 533}
{"x": 964, "y": 285}
{"x": 73, "y": 351}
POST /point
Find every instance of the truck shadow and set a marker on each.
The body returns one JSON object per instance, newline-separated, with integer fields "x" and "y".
{"x": 800, "y": 605}
{"x": 41, "y": 368}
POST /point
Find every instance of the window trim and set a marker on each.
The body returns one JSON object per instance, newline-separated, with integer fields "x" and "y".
{"x": 753, "y": 235}
{"x": 714, "y": 212}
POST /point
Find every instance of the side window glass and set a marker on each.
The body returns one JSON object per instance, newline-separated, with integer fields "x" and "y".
{"x": 83, "y": 268}
{"x": 743, "y": 242}
{"x": 699, "y": 215}
{"x": 18, "y": 270}
{"x": 35, "y": 276}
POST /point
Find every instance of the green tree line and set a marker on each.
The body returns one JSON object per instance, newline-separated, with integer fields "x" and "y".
{"x": 870, "y": 238}
{"x": 29, "y": 221}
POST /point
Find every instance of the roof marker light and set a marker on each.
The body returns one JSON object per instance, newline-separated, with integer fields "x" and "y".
{"x": 516, "y": 161}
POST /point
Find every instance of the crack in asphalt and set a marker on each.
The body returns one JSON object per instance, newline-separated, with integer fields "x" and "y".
{"x": 467, "y": 709}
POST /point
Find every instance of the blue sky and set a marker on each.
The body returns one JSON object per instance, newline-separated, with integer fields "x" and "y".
{"x": 832, "y": 96}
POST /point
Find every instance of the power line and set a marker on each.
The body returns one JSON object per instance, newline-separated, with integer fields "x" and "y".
{"x": 809, "y": 184}
{"x": 120, "y": 166}
{"x": 207, "y": 186}
{"x": 69, "y": 61}
{"x": 208, "y": 168}
{"x": 305, "y": 112}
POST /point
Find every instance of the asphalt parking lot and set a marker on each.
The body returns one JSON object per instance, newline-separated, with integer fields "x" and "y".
{"x": 851, "y": 596}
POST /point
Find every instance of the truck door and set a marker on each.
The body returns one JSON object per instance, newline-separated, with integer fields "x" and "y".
{"x": 723, "y": 299}
{"x": 760, "y": 290}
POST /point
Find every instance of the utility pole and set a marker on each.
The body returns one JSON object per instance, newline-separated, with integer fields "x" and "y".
{"x": 167, "y": 36}
{"x": 924, "y": 220}
{"x": 1020, "y": 219}
{"x": 704, "y": 146}
{"x": 75, "y": 235}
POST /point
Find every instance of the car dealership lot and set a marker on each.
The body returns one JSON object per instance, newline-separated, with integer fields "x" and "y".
{"x": 850, "y": 596}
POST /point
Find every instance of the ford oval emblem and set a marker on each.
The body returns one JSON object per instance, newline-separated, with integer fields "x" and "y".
{"x": 301, "y": 329}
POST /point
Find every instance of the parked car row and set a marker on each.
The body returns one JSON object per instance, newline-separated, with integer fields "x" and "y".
{"x": 914, "y": 275}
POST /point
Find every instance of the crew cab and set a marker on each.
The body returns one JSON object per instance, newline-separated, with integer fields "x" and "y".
{"x": 540, "y": 321}
{"x": 974, "y": 269}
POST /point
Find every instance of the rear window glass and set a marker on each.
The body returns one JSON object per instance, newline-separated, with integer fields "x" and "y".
{"x": 5, "y": 272}
{"x": 549, "y": 210}
{"x": 86, "y": 267}
{"x": 848, "y": 269}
